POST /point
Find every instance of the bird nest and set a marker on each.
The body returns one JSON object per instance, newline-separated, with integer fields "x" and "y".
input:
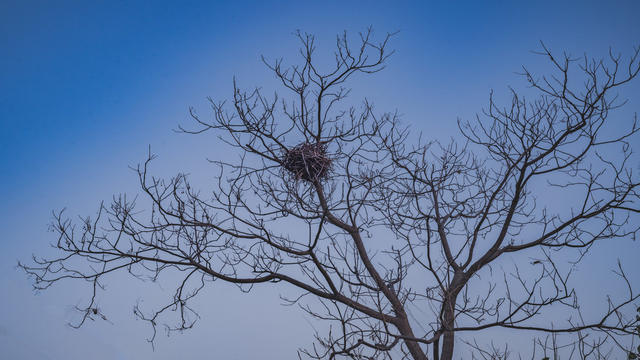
{"x": 307, "y": 161}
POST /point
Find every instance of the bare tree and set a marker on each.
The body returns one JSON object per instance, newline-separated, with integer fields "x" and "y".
{"x": 370, "y": 223}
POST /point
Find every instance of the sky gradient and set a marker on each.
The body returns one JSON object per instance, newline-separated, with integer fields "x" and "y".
{"x": 86, "y": 87}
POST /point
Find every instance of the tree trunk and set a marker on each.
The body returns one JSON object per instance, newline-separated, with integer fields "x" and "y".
{"x": 415, "y": 350}
{"x": 413, "y": 347}
{"x": 448, "y": 336}
{"x": 436, "y": 349}
{"x": 448, "y": 317}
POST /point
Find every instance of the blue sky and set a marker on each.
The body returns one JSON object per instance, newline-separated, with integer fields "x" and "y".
{"x": 85, "y": 87}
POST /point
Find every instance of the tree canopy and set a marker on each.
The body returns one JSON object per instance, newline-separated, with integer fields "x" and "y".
{"x": 369, "y": 222}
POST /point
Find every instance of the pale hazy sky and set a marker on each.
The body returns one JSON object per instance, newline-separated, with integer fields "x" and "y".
{"x": 86, "y": 86}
